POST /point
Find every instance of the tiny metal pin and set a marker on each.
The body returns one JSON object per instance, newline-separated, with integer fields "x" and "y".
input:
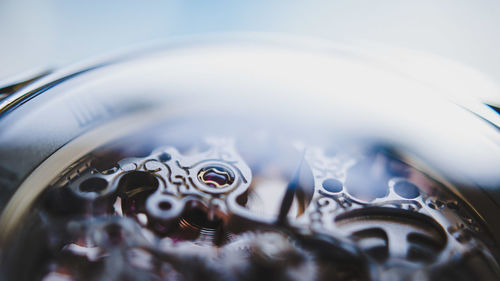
{"x": 293, "y": 185}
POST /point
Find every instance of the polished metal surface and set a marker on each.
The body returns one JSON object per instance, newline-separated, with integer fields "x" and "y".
{"x": 247, "y": 159}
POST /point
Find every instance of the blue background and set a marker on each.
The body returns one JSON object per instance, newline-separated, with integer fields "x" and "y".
{"x": 39, "y": 34}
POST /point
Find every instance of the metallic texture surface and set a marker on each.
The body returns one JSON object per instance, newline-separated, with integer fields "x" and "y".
{"x": 239, "y": 160}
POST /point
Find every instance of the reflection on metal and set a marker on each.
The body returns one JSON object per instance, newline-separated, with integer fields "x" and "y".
{"x": 138, "y": 215}
{"x": 13, "y": 85}
{"x": 233, "y": 161}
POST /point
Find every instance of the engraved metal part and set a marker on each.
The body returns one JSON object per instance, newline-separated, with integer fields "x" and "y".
{"x": 273, "y": 165}
{"x": 186, "y": 216}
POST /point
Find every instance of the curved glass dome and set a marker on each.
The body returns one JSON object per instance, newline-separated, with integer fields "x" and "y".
{"x": 246, "y": 160}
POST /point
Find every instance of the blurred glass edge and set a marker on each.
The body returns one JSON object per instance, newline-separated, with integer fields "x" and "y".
{"x": 475, "y": 165}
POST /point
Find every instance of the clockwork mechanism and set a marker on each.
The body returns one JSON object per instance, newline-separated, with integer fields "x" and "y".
{"x": 173, "y": 166}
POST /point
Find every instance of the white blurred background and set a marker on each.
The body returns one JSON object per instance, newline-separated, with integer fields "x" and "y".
{"x": 51, "y": 33}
